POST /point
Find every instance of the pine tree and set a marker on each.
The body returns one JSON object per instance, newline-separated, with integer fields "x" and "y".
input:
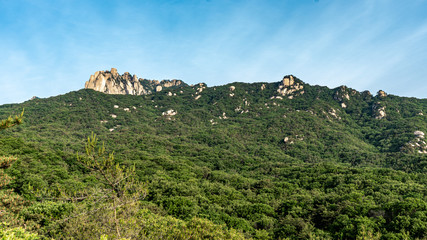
{"x": 110, "y": 208}
{"x": 11, "y": 121}
{"x": 10, "y": 202}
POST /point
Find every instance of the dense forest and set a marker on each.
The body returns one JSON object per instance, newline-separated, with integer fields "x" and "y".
{"x": 239, "y": 161}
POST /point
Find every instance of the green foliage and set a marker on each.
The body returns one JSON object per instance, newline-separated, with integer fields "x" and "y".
{"x": 155, "y": 227}
{"x": 17, "y": 233}
{"x": 108, "y": 209}
{"x": 11, "y": 121}
{"x": 301, "y": 168}
{"x": 10, "y": 202}
{"x": 46, "y": 213}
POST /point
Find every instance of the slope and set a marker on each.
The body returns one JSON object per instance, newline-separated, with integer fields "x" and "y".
{"x": 277, "y": 159}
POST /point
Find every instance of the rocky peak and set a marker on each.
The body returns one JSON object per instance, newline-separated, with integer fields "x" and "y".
{"x": 382, "y": 94}
{"x": 288, "y": 81}
{"x": 342, "y": 94}
{"x": 111, "y": 82}
{"x": 114, "y": 72}
{"x": 290, "y": 87}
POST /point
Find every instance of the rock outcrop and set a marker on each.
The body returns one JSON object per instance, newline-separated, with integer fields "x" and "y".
{"x": 290, "y": 87}
{"x": 342, "y": 96}
{"x": 417, "y": 145}
{"x": 379, "y": 110}
{"x": 111, "y": 82}
{"x": 419, "y": 134}
{"x": 381, "y": 94}
{"x": 169, "y": 114}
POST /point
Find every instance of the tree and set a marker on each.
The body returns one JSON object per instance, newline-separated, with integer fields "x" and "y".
{"x": 10, "y": 202}
{"x": 11, "y": 121}
{"x": 111, "y": 207}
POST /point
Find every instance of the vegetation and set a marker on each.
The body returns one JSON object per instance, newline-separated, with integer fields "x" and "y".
{"x": 224, "y": 167}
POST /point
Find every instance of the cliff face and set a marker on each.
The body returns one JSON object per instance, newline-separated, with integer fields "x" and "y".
{"x": 111, "y": 82}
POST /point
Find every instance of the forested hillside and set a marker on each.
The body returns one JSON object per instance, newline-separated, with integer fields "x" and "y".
{"x": 263, "y": 161}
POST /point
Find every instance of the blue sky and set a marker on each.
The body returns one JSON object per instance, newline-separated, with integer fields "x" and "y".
{"x": 52, "y": 47}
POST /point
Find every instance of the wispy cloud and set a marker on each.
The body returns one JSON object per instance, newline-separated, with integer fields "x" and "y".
{"x": 363, "y": 44}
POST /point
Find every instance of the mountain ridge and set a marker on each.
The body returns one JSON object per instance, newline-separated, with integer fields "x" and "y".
{"x": 111, "y": 82}
{"x": 283, "y": 159}
{"x": 333, "y": 104}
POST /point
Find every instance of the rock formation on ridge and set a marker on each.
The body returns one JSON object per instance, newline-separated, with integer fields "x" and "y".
{"x": 111, "y": 82}
{"x": 289, "y": 87}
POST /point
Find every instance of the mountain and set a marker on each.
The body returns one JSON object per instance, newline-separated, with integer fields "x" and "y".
{"x": 111, "y": 82}
{"x": 271, "y": 160}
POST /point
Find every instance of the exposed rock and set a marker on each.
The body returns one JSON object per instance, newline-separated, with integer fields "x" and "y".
{"x": 111, "y": 82}
{"x": 113, "y": 115}
{"x": 276, "y": 97}
{"x": 382, "y": 94}
{"x": 34, "y": 97}
{"x": 417, "y": 145}
{"x": 343, "y": 105}
{"x": 419, "y": 134}
{"x": 378, "y": 111}
{"x": 288, "y": 81}
{"x": 232, "y": 88}
{"x": 200, "y": 88}
{"x": 116, "y": 106}
{"x": 170, "y": 94}
{"x": 114, "y": 72}
{"x": 334, "y": 114}
{"x": 346, "y": 96}
{"x": 197, "y": 97}
{"x": 169, "y": 114}
{"x": 381, "y": 113}
{"x": 342, "y": 94}
{"x": 262, "y": 87}
{"x": 126, "y": 109}
{"x": 290, "y": 87}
